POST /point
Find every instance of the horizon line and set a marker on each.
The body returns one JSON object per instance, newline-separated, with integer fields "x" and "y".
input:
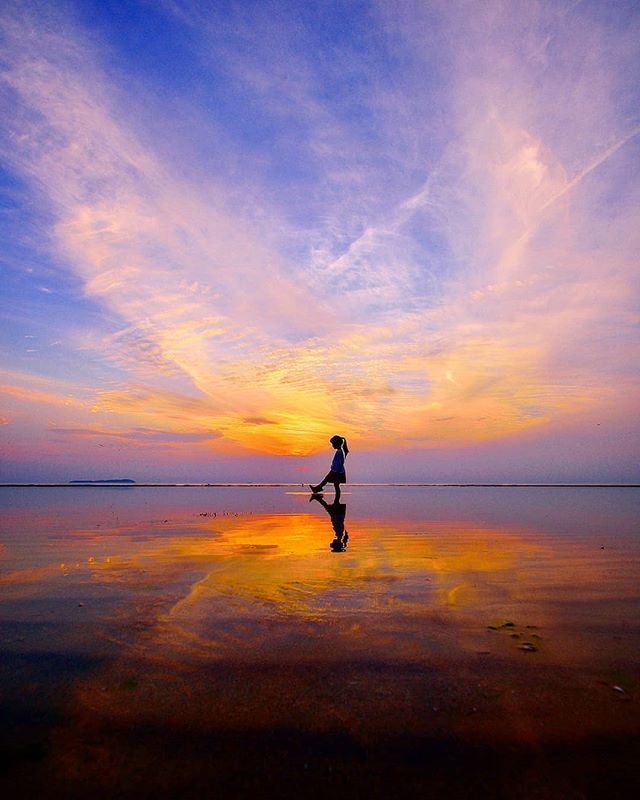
{"x": 258, "y": 485}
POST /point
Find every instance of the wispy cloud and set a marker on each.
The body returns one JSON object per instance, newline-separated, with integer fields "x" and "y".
{"x": 440, "y": 247}
{"x": 139, "y": 436}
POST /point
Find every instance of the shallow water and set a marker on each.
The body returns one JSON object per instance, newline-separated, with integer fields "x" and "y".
{"x": 451, "y": 621}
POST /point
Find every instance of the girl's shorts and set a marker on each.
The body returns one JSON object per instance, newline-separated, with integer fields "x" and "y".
{"x": 336, "y": 477}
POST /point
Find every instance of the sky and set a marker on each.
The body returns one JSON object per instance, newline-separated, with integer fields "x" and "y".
{"x": 231, "y": 230}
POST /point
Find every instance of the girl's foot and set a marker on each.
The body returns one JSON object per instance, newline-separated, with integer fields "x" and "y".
{"x": 315, "y": 489}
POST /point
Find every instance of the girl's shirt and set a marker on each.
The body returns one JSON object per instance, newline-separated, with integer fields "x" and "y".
{"x": 337, "y": 465}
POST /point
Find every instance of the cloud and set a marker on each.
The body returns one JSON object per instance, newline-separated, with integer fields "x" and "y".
{"x": 32, "y": 395}
{"x": 140, "y": 435}
{"x": 446, "y": 250}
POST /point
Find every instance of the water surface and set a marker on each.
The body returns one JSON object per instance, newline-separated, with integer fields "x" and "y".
{"x": 156, "y": 636}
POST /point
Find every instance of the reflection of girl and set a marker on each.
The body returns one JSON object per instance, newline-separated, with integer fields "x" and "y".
{"x": 337, "y": 511}
{"x": 337, "y": 474}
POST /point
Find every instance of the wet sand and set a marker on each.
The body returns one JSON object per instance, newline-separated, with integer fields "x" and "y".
{"x": 478, "y": 642}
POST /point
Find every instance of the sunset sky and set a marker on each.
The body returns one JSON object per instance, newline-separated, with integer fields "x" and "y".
{"x": 229, "y": 230}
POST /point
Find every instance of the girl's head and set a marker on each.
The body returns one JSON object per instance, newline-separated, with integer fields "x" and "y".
{"x": 339, "y": 442}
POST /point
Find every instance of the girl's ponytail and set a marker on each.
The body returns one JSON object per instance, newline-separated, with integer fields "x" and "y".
{"x": 344, "y": 447}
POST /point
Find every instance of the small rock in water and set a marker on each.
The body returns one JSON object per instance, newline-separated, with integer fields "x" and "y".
{"x": 618, "y": 689}
{"x": 528, "y": 647}
{"x": 496, "y": 626}
{"x": 80, "y": 605}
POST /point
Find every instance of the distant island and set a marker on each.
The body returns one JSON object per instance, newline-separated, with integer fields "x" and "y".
{"x": 107, "y": 480}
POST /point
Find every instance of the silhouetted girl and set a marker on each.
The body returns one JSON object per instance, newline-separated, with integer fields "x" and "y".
{"x": 337, "y": 473}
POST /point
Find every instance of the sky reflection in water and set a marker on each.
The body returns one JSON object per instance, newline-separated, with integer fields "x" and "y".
{"x": 214, "y": 637}
{"x": 214, "y": 574}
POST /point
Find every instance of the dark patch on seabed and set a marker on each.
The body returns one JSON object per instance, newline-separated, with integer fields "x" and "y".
{"x": 137, "y": 730}
{"x": 168, "y": 761}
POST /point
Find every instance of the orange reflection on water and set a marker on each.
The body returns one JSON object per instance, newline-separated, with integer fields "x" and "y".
{"x": 268, "y": 585}
{"x": 142, "y": 611}
{"x": 230, "y": 616}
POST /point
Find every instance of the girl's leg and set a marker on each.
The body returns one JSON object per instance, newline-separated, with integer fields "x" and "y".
{"x": 319, "y": 486}
{"x": 337, "y": 488}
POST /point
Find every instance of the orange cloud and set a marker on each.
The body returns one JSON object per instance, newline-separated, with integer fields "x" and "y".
{"x": 510, "y": 329}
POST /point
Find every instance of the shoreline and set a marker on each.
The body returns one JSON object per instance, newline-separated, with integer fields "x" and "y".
{"x": 259, "y": 485}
